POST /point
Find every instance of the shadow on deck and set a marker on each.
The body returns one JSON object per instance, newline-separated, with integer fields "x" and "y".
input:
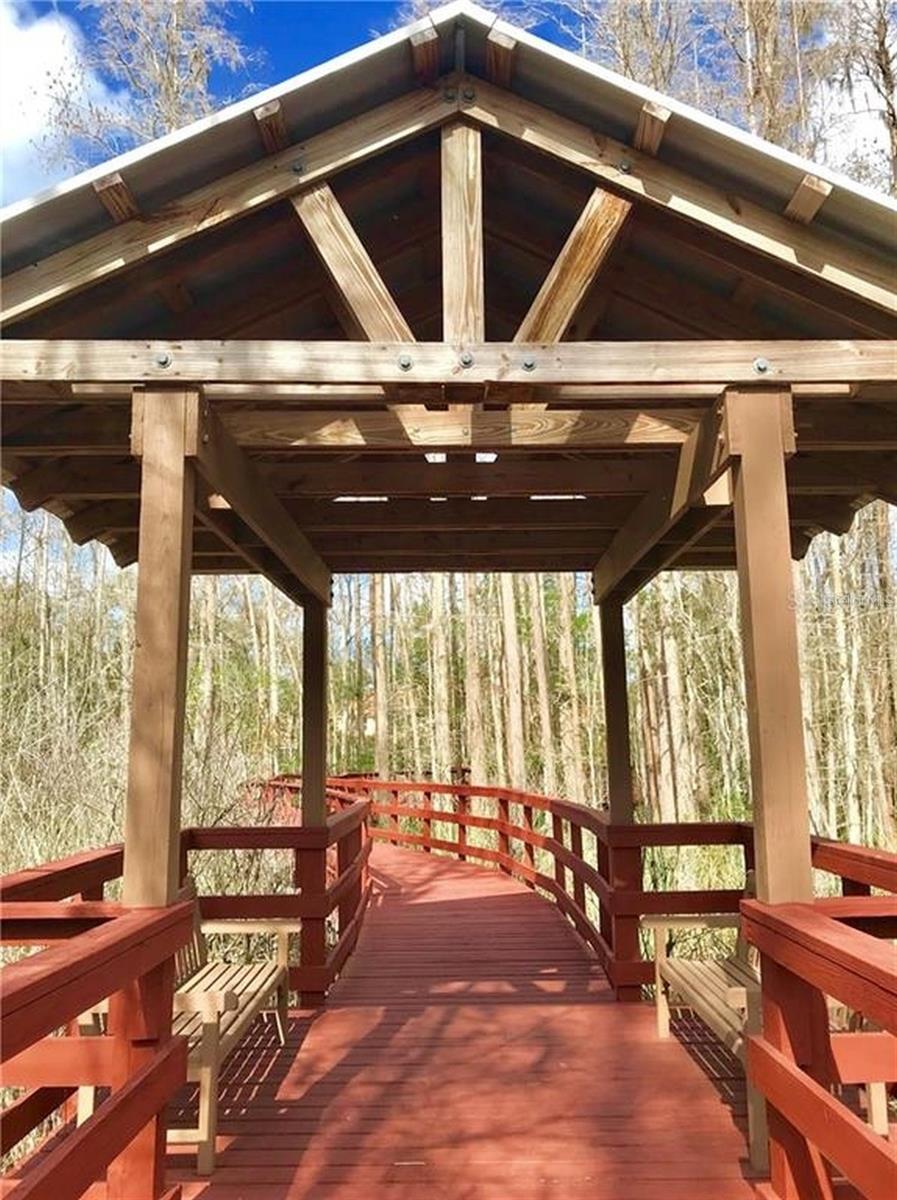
{"x": 471, "y": 1050}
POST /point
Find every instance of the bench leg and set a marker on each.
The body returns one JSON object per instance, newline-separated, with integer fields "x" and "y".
{"x": 877, "y": 1108}
{"x": 758, "y": 1129}
{"x": 661, "y": 999}
{"x": 281, "y": 1012}
{"x": 208, "y": 1099}
{"x": 89, "y": 1025}
{"x": 758, "y": 1132}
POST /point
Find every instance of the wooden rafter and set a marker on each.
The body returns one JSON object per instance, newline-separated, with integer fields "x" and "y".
{"x": 106, "y": 254}
{"x": 575, "y": 269}
{"x": 349, "y": 266}
{"x": 271, "y": 126}
{"x": 651, "y": 126}
{"x": 500, "y": 51}
{"x": 642, "y": 177}
{"x": 596, "y": 363}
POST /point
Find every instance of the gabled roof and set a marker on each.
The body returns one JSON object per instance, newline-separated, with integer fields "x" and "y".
{"x": 468, "y": 242}
{"x": 380, "y": 70}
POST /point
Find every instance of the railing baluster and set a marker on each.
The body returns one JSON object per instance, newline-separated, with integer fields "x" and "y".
{"x": 529, "y": 850}
{"x": 504, "y": 841}
{"x": 428, "y": 823}
{"x": 462, "y": 809}
{"x": 579, "y": 888}
{"x": 557, "y": 832}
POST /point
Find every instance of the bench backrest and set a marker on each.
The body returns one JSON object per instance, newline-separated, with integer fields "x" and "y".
{"x": 194, "y": 956}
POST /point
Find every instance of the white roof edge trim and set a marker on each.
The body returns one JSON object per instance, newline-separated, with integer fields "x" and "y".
{"x": 435, "y": 19}
{"x": 679, "y": 108}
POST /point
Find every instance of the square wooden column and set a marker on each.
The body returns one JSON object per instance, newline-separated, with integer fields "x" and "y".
{"x": 312, "y": 863}
{"x": 162, "y": 421}
{"x": 314, "y": 713}
{"x": 623, "y": 864}
{"x": 140, "y": 1016}
{"x": 616, "y": 712}
{"x": 760, "y": 432}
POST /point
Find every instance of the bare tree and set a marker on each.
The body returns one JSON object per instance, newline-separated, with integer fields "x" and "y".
{"x": 156, "y": 58}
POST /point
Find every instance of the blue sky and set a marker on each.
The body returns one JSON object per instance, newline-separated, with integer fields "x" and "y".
{"x": 38, "y": 40}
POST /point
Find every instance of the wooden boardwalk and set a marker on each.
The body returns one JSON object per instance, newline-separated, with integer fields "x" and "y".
{"x": 472, "y": 1050}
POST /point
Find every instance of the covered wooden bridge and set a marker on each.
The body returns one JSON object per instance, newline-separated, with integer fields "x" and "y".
{"x": 527, "y": 316}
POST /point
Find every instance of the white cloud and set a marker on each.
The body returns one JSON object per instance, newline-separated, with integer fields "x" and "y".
{"x": 34, "y": 50}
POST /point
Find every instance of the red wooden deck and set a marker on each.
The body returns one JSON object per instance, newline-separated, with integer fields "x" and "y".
{"x": 473, "y": 1050}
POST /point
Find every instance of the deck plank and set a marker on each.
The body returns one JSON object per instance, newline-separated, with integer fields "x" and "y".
{"x": 472, "y": 1051}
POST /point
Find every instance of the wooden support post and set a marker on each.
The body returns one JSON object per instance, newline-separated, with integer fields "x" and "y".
{"x": 504, "y": 841}
{"x": 312, "y": 864}
{"x": 625, "y": 873}
{"x": 162, "y": 420}
{"x": 760, "y": 433}
{"x": 529, "y": 850}
{"x": 557, "y": 833}
{"x": 347, "y": 851}
{"x": 428, "y": 822}
{"x": 795, "y": 1022}
{"x": 579, "y": 887}
{"x": 140, "y": 1022}
{"x": 314, "y": 713}
{"x": 393, "y": 819}
{"x": 616, "y": 712}
{"x": 463, "y": 809}
{"x": 312, "y": 871}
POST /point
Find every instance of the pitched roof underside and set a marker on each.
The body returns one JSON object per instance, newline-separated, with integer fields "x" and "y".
{"x": 66, "y": 445}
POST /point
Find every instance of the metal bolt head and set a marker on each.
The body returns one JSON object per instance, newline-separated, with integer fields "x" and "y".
{"x": 625, "y": 167}
{"x": 163, "y": 359}
{"x": 761, "y": 365}
{"x": 466, "y": 358}
{"x": 469, "y": 93}
{"x": 529, "y": 363}
{"x": 450, "y": 95}
{"x": 405, "y": 362}
{"x": 297, "y": 167}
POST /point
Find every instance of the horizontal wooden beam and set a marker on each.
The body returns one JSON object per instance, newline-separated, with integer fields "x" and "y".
{"x": 34, "y": 288}
{"x": 476, "y": 365}
{"x": 228, "y": 471}
{"x": 273, "y": 429}
{"x": 642, "y": 177}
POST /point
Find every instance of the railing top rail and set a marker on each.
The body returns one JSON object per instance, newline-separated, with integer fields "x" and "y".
{"x": 65, "y": 876}
{"x": 862, "y": 864}
{"x": 850, "y": 965}
{"x": 49, "y": 988}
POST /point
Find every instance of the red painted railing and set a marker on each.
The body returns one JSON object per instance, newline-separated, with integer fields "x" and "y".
{"x": 100, "y": 949}
{"x": 330, "y": 877}
{"x": 94, "y": 951}
{"x": 819, "y": 1148}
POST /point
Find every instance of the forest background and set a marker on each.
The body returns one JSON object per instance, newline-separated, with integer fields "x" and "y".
{"x": 497, "y": 675}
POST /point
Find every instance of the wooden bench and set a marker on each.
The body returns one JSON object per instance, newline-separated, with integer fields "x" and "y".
{"x": 725, "y": 994}
{"x": 214, "y": 1005}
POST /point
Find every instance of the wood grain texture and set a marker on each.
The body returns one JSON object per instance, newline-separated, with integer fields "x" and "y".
{"x": 291, "y": 362}
{"x": 463, "y": 295}
{"x": 648, "y": 179}
{"x": 759, "y": 432}
{"x": 575, "y": 269}
{"x": 352, "y": 272}
{"x": 104, "y": 255}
